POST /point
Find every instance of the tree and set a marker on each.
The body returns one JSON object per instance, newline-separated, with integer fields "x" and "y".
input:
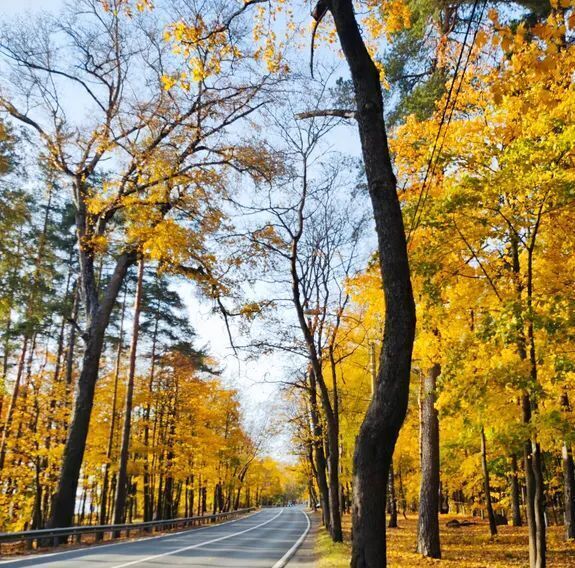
{"x": 379, "y": 431}
{"x": 162, "y": 187}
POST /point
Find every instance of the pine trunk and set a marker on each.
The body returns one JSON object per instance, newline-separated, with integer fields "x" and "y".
{"x": 122, "y": 486}
{"x": 113, "y": 416}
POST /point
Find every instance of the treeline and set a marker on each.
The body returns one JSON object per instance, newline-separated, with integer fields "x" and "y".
{"x": 111, "y": 194}
{"x": 188, "y": 452}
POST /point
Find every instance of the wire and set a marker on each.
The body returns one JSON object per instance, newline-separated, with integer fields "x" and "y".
{"x": 430, "y": 170}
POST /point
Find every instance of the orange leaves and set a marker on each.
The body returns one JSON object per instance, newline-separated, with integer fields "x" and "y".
{"x": 387, "y": 17}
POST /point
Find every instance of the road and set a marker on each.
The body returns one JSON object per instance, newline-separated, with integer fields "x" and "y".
{"x": 264, "y": 539}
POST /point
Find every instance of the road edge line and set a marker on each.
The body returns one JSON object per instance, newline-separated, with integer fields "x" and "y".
{"x": 282, "y": 562}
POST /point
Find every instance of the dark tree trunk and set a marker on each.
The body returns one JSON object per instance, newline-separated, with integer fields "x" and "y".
{"x": 13, "y": 401}
{"x": 332, "y": 419}
{"x": 428, "y": 522}
{"x": 515, "y": 493}
{"x": 568, "y": 478}
{"x": 333, "y": 473}
{"x": 386, "y": 413}
{"x": 534, "y": 489}
{"x": 568, "y": 491}
{"x": 320, "y": 461}
{"x": 122, "y": 489}
{"x": 72, "y": 340}
{"x": 540, "y": 521}
{"x": 111, "y": 435}
{"x": 487, "y": 485}
{"x": 148, "y": 489}
{"x": 392, "y": 500}
{"x": 98, "y": 319}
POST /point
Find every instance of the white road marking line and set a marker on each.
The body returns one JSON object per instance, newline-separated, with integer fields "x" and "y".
{"x": 92, "y": 547}
{"x": 200, "y": 544}
{"x": 288, "y": 555}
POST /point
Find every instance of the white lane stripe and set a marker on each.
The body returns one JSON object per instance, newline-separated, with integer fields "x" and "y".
{"x": 200, "y": 544}
{"x": 288, "y": 555}
{"x": 96, "y": 547}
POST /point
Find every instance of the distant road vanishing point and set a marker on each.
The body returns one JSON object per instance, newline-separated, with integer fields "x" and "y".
{"x": 267, "y": 539}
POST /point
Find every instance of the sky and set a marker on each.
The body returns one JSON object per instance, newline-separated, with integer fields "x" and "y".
{"x": 256, "y": 380}
{"x": 11, "y": 7}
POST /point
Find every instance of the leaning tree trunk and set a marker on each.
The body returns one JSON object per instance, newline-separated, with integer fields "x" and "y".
{"x": 487, "y": 485}
{"x": 428, "y": 522}
{"x": 98, "y": 319}
{"x": 122, "y": 486}
{"x": 386, "y": 413}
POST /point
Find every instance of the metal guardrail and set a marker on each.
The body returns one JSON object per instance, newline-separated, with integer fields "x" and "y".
{"x": 58, "y": 536}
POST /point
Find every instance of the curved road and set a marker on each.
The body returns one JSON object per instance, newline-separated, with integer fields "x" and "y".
{"x": 264, "y": 539}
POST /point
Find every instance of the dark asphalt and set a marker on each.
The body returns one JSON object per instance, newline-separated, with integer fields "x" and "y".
{"x": 264, "y": 539}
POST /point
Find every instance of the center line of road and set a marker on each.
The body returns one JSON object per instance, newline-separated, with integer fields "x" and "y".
{"x": 200, "y": 544}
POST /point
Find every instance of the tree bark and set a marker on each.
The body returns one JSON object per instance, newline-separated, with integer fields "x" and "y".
{"x": 568, "y": 491}
{"x": 97, "y": 322}
{"x": 392, "y": 500}
{"x": 111, "y": 435}
{"x": 386, "y": 413}
{"x": 487, "y": 485}
{"x": 515, "y": 493}
{"x": 13, "y": 401}
{"x": 535, "y": 504}
{"x": 122, "y": 487}
{"x": 320, "y": 461}
{"x": 428, "y": 542}
{"x": 148, "y": 486}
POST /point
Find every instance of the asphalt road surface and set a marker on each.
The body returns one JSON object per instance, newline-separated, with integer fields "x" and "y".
{"x": 267, "y": 539}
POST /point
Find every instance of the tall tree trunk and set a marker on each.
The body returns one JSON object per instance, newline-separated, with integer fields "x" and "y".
{"x": 392, "y": 500}
{"x": 72, "y": 338}
{"x": 568, "y": 491}
{"x": 487, "y": 485}
{"x": 534, "y": 489}
{"x": 332, "y": 413}
{"x": 428, "y": 542}
{"x": 122, "y": 488}
{"x": 113, "y": 416}
{"x": 386, "y": 413}
{"x": 13, "y": 401}
{"x": 320, "y": 460}
{"x": 97, "y": 323}
{"x": 515, "y": 493}
{"x": 148, "y": 488}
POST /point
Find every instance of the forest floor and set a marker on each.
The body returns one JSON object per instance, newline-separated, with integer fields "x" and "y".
{"x": 469, "y": 547}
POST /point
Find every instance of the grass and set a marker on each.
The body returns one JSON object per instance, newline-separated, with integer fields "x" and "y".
{"x": 469, "y": 547}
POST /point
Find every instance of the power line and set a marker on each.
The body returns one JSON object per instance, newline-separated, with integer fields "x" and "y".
{"x": 430, "y": 170}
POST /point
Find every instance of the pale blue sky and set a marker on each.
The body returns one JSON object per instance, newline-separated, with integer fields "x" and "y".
{"x": 11, "y": 7}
